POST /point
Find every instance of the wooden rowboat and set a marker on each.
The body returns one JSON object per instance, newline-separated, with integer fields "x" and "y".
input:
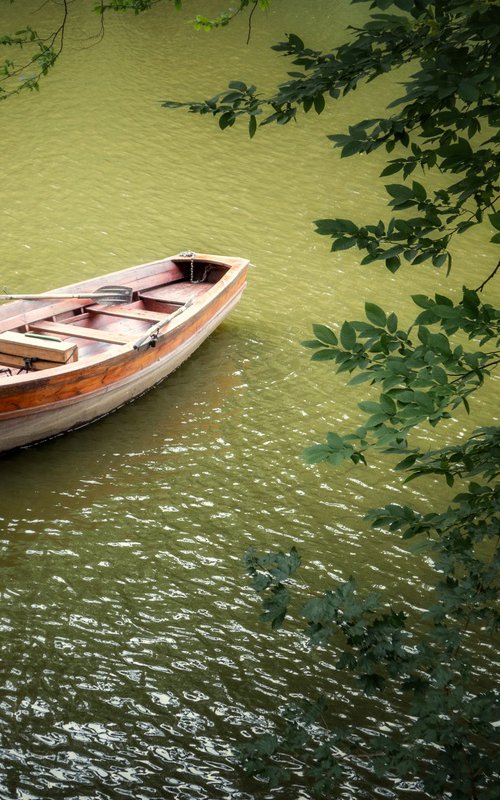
{"x": 66, "y": 361}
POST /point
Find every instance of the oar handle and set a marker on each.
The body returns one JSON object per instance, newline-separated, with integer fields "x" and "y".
{"x": 103, "y": 294}
{"x": 153, "y": 331}
{"x": 43, "y": 296}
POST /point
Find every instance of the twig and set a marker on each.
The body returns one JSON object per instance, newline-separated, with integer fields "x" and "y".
{"x": 39, "y": 41}
{"x": 474, "y": 371}
{"x": 489, "y": 278}
{"x": 252, "y": 12}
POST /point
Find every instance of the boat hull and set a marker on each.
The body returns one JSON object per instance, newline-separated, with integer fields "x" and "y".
{"x": 40, "y": 406}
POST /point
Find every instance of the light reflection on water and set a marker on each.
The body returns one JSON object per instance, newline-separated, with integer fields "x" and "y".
{"x": 134, "y": 662}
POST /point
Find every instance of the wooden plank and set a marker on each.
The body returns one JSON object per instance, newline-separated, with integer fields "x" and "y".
{"x": 138, "y": 278}
{"x": 155, "y": 273}
{"x": 176, "y": 292}
{"x": 14, "y": 343}
{"x": 65, "y": 329}
{"x": 36, "y": 311}
{"x": 128, "y": 313}
{"x": 19, "y": 362}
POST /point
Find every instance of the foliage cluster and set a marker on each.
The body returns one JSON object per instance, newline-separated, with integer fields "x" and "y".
{"x": 445, "y": 122}
{"x": 32, "y": 53}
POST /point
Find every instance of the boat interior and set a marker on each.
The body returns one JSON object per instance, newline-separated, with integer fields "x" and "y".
{"x": 54, "y": 333}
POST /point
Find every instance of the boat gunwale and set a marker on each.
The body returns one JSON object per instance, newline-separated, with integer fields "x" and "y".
{"x": 20, "y": 308}
{"x": 116, "y": 352}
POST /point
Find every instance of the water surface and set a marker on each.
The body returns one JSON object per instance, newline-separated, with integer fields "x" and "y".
{"x": 133, "y": 659}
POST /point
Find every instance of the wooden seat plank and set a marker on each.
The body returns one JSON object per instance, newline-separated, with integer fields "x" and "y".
{"x": 179, "y": 292}
{"x": 128, "y": 313}
{"x": 65, "y": 329}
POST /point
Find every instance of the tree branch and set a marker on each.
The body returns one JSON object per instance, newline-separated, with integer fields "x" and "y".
{"x": 489, "y": 278}
{"x": 252, "y": 12}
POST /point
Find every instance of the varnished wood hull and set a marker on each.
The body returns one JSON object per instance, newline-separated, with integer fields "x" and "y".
{"x": 39, "y": 405}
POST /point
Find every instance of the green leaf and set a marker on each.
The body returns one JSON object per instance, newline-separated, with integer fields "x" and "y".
{"x": 334, "y": 441}
{"x": 329, "y": 227}
{"x": 239, "y": 85}
{"x": 392, "y": 167}
{"x": 324, "y": 334}
{"x": 226, "y": 120}
{"x": 343, "y": 243}
{"x": 471, "y": 299}
{"x": 362, "y": 377}
{"x": 323, "y": 355}
{"x": 338, "y": 456}
{"x": 399, "y": 191}
{"x": 445, "y": 312}
{"x": 439, "y": 375}
{"x": 316, "y": 454}
{"x": 369, "y": 407}
{"x": 347, "y": 336}
{"x": 375, "y": 314}
{"x": 346, "y": 225}
{"x": 419, "y": 191}
{"x": 392, "y": 323}
{"x": 387, "y": 403}
{"x": 468, "y": 90}
{"x": 406, "y": 462}
{"x": 422, "y": 300}
{"x": 295, "y": 41}
{"x": 495, "y": 220}
{"x": 319, "y": 103}
{"x": 440, "y": 259}
{"x": 393, "y": 263}
{"x": 427, "y": 318}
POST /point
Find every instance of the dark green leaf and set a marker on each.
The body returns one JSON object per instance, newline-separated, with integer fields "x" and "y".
{"x": 239, "y": 85}
{"x": 419, "y": 191}
{"x": 375, "y": 314}
{"x": 393, "y": 263}
{"x": 399, "y": 191}
{"x": 495, "y": 220}
{"x": 323, "y": 355}
{"x": 347, "y": 336}
{"x": 422, "y": 300}
{"x": 319, "y": 103}
{"x": 343, "y": 243}
{"x": 324, "y": 334}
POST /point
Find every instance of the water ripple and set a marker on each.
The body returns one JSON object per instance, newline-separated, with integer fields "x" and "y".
{"x": 133, "y": 660}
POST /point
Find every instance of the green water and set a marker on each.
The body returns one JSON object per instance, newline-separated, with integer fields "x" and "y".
{"x": 133, "y": 660}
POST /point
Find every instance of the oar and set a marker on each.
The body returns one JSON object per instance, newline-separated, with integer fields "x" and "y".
{"x": 154, "y": 330}
{"x": 105, "y": 296}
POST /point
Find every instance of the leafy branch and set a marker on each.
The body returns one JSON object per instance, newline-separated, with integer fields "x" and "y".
{"x": 447, "y": 105}
{"x": 46, "y": 50}
{"x": 430, "y": 670}
{"x": 447, "y": 729}
{"x": 211, "y": 23}
{"x": 420, "y": 375}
